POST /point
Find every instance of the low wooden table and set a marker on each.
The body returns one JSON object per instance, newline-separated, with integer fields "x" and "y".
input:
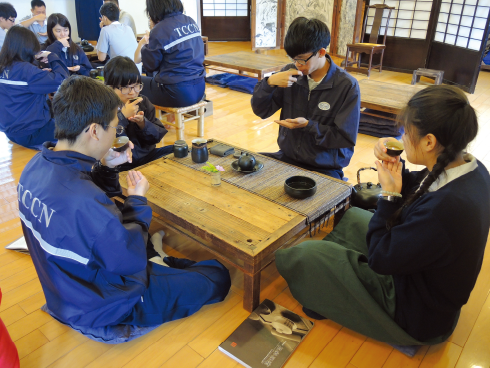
{"x": 244, "y": 61}
{"x": 236, "y": 225}
{"x": 386, "y": 97}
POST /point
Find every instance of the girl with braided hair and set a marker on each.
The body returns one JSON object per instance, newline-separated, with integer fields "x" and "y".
{"x": 402, "y": 275}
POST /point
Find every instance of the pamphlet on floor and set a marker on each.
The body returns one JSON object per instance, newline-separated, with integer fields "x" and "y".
{"x": 19, "y": 245}
{"x": 268, "y": 337}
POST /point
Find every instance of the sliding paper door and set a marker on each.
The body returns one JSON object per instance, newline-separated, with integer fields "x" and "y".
{"x": 459, "y": 40}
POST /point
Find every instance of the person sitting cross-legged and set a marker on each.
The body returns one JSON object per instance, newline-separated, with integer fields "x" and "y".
{"x": 92, "y": 258}
{"x": 320, "y": 103}
{"x": 402, "y": 274}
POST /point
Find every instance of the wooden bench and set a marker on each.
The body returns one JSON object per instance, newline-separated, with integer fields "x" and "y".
{"x": 183, "y": 115}
{"x": 431, "y": 73}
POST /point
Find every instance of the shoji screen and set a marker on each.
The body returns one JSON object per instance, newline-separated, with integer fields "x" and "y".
{"x": 462, "y": 23}
{"x": 409, "y": 19}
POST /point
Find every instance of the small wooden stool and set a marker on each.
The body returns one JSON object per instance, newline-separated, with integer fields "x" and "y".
{"x": 182, "y": 116}
{"x": 431, "y": 73}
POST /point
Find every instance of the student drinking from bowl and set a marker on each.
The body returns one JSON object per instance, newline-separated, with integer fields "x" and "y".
{"x": 319, "y": 103}
{"x": 92, "y": 258}
{"x": 24, "y": 110}
{"x": 402, "y": 274}
{"x": 138, "y": 114}
{"x": 60, "y": 42}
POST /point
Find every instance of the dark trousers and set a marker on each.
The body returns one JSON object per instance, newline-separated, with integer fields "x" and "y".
{"x": 334, "y": 173}
{"x": 173, "y": 95}
{"x": 36, "y": 139}
{"x": 179, "y": 290}
{"x": 151, "y": 156}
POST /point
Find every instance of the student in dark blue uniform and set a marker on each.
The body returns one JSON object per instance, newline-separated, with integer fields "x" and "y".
{"x": 175, "y": 51}
{"x": 138, "y": 114}
{"x": 25, "y": 116}
{"x": 92, "y": 258}
{"x": 319, "y": 102}
{"x": 60, "y": 43}
{"x": 402, "y": 275}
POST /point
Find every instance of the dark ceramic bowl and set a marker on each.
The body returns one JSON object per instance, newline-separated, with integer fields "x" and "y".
{"x": 300, "y": 187}
{"x": 394, "y": 148}
{"x": 120, "y": 144}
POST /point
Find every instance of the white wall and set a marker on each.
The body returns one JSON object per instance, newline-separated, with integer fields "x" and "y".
{"x": 67, "y": 7}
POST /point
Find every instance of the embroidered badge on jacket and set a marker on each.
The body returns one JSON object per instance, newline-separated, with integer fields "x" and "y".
{"x": 324, "y": 106}
{"x": 75, "y": 57}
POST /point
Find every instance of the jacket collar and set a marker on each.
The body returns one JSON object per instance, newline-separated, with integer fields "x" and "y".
{"x": 171, "y": 15}
{"x": 326, "y": 83}
{"x": 76, "y": 160}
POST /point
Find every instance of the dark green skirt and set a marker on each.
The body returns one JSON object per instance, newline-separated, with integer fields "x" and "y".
{"x": 332, "y": 278}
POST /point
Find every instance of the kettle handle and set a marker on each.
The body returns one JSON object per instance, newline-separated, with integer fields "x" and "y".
{"x": 359, "y": 174}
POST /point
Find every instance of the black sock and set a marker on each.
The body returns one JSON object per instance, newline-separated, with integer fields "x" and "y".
{"x": 313, "y": 314}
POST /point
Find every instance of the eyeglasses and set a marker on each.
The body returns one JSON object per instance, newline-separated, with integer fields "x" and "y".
{"x": 119, "y": 128}
{"x": 12, "y": 20}
{"x": 302, "y": 61}
{"x": 127, "y": 90}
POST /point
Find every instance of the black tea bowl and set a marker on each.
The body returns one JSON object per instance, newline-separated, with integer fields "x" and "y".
{"x": 300, "y": 187}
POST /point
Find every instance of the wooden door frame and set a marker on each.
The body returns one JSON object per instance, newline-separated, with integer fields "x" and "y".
{"x": 281, "y": 26}
{"x": 334, "y": 33}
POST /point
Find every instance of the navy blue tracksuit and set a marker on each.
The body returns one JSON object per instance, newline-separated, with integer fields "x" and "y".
{"x": 77, "y": 58}
{"x": 176, "y": 53}
{"x": 91, "y": 258}
{"x": 25, "y": 116}
{"x": 332, "y": 109}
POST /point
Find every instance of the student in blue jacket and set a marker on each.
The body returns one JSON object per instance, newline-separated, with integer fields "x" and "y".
{"x": 60, "y": 43}
{"x": 319, "y": 102}
{"x": 138, "y": 114}
{"x": 175, "y": 51}
{"x": 24, "y": 111}
{"x": 92, "y": 258}
{"x": 402, "y": 275}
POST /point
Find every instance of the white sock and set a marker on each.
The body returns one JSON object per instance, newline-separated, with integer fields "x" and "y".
{"x": 157, "y": 241}
{"x": 158, "y": 260}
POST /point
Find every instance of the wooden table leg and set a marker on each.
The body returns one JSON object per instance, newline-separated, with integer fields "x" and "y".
{"x": 251, "y": 291}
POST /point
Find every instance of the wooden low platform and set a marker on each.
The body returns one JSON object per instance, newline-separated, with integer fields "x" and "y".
{"x": 250, "y": 62}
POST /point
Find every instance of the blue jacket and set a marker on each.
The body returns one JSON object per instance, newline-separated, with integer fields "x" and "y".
{"x": 78, "y": 58}
{"x": 23, "y": 88}
{"x": 175, "y": 50}
{"x": 144, "y": 140}
{"x": 332, "y": 109}
{"x": 90, "y": 257}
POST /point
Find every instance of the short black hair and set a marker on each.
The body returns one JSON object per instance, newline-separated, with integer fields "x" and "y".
{"x": 79, "y": 102}
{"x": 306, "y": 35}
{"x": 7, "y": 11}
{"x": 37, "y": 3}
{"x": 110, "y": 10}
{"x": 112, "y": 1}
{"x": 20, "y": 44}
{"x": 121, "y": 71}
{"x": 159, "y": 9}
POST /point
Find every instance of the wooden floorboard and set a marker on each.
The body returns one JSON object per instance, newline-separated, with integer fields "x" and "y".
{"x": 192, "y": 342}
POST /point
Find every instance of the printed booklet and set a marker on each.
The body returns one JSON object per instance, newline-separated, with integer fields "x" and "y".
{"x": 267, "y": 338}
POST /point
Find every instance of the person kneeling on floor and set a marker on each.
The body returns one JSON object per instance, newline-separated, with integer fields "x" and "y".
{"x": 91, "y": 258}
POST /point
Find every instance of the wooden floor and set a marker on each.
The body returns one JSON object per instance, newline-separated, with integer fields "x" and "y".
{"x": 191, "y": 342}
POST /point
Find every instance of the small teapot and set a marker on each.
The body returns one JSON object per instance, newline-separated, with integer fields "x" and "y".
{"x": 246, "y": 162}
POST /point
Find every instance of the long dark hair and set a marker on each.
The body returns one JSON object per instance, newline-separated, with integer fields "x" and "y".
{"x": 159, "y": 9}
{"x": 20, "y": 45}
{"x": 53, "y": 20}
{"x": 445, "y": 112}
